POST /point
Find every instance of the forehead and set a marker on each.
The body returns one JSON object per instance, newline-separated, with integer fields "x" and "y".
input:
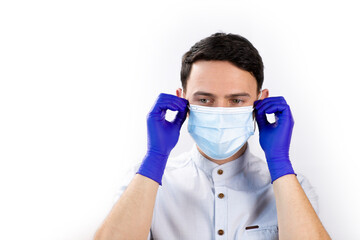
{"x": 220, "y": 78}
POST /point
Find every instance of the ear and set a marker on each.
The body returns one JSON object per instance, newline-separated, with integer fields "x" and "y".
{"x": 265, "y": 94}
{"x": 180, "y": 93}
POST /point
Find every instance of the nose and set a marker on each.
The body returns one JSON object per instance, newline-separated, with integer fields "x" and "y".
{"x": 222, "y": 103}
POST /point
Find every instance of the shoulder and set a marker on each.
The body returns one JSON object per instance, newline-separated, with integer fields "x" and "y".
{"x": 125, "y": 179}
{"x": 177, "y": 162}
{"x": 173, "y": 163}
{"x": 309, "y": 190}
{"x": 306, "y": 185}
{"x": 257, "y": 172}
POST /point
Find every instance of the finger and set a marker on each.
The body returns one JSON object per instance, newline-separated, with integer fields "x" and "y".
{"x": 179, "y": 100}
{"x": 161, "y": 107}
{"x": 167, "y": 101}
{"x": 261, "y": 119}
{"x": 259, "y": 103}
{"x": 180, "y": 117}
{"x": 282, "y": 112}
{"x": 178, "y": 104}
{"x": 270, "y": 108}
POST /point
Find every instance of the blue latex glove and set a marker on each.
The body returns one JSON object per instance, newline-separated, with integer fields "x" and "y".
{"x": 162, "y": 135}
{"x": 275, "y": 138}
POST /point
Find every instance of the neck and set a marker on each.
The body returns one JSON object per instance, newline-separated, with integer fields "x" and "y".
{"x": 233, "y": 157}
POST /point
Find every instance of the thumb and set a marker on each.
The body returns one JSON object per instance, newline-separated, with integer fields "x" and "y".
{"x": 180, "y": 117}
{"x": 261, "y": 119}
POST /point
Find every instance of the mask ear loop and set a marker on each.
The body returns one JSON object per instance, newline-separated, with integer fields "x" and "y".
{"x": 254, "y": 119}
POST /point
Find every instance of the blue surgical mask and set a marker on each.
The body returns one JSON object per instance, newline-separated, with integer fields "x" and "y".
{"x": 221, "y": 131}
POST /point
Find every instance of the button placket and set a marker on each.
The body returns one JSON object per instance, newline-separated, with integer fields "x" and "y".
{"x": 221, "y": 212}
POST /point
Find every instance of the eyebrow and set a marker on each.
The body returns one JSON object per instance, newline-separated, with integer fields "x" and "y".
{"x": 243, "y": 94}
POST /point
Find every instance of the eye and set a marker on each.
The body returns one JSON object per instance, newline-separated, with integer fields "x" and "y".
{"x": 203, "y": 100}
{"x": 237, "y": 101}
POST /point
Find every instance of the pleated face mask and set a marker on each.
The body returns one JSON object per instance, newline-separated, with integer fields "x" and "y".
{"x": 221, "y": 131}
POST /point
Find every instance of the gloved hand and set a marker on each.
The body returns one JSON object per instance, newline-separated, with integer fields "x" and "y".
{"x": 275, "y": 138}
{"x": 162, "y": 135}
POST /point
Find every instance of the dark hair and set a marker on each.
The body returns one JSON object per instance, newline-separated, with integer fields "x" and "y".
{"x": 227, "y": 47}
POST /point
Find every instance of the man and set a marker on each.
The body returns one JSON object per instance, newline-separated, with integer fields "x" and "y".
{"x": 219, "y": 190}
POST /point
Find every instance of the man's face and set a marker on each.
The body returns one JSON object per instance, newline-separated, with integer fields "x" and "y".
{"x": 220, "y": 84}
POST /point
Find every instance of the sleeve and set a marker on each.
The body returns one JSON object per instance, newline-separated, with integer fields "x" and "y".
{"x": 125, "y": 181}
{"x": 309, "y": 191}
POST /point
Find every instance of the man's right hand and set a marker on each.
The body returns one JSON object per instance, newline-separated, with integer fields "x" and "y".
{"x": 162, "y": 134}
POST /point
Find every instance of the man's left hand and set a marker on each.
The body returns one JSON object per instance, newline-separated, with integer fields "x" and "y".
{"x": 275, "y": 137}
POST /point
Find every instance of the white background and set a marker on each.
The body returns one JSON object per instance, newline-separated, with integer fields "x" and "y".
{"x": 78, "y": 78}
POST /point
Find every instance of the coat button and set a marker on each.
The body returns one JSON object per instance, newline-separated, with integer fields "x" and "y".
{"x": 220, "y": 171}
{"x": 221, "y": 232}
{"x": 221, "y": 195}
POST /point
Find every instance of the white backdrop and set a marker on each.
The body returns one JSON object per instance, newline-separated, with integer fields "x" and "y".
{"x": 78, "y": 78}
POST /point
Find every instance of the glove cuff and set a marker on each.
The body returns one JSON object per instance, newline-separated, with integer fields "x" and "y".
{"x": 279, "y": 168}
{"x": 153, "y": 166}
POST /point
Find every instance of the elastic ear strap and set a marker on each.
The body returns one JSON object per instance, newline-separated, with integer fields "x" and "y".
{"x": 254, "y": 120}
